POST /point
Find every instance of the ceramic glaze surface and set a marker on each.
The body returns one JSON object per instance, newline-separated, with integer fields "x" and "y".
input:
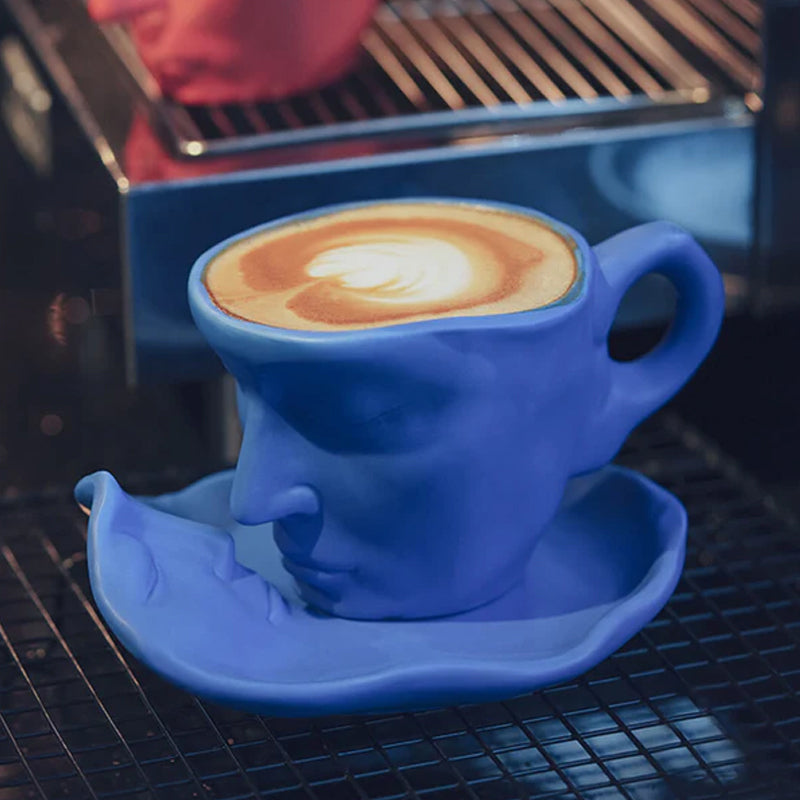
{"x": 411, "y": 469}
{"x": 168, "y": 575}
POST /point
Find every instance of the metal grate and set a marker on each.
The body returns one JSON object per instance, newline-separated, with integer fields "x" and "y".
{"x": 450, "y": 67}
{"x": 702, "y": 704}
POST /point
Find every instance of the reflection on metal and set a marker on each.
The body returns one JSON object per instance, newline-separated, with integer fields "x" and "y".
{"x": 703, "y": 183}
{"x": 25, "y": 106}
{"x": 441, "y": 68}
{"x": 634, "y": 29}
{"x": 713, "y": 41}
{"x": 43, "y": 39}
{"x": 670, "y": 737}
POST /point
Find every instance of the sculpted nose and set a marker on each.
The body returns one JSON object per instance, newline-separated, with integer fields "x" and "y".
{"x": 268, "y": 483}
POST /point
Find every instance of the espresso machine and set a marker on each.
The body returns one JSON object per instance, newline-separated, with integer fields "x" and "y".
{"x": 601, "y": 113}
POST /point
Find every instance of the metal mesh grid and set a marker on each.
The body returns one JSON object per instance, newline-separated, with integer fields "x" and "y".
{"x": 703, "y": 703}
{"x": 489, "y": 63}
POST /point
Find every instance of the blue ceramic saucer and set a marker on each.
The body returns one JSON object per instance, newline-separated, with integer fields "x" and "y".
{"x": 167, "y": 574}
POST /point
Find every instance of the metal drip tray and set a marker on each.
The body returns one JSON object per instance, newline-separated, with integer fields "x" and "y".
{"x": 461, "y": 67}
{"x": 448, "y": 70}
{"x": 703, "y": 703}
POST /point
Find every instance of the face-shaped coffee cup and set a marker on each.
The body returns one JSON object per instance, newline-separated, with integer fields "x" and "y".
{"x": 410, "y": 468}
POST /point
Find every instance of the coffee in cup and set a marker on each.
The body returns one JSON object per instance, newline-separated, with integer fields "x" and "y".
{"x": 392, "y": 263}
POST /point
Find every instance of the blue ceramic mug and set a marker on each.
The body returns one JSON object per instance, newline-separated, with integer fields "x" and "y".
{"x": 410, "y": 469}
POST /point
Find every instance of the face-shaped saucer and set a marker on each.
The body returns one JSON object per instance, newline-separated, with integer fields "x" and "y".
{"x": 168, "y": 575}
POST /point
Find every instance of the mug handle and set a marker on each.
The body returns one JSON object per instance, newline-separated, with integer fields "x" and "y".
{"x": 641, "y": 386}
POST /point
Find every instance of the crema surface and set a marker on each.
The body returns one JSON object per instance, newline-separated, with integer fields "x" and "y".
{"x": 392, "y": 263}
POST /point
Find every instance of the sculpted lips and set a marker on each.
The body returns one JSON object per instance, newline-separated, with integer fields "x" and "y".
{"x": 322, "y": 580}
{"x": 300, "y": 564}
{"x": 310, "y": 565}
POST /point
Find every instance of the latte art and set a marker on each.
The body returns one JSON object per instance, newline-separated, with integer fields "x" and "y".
{"x": 385, "y": 271}
{"x": 391, "y": 263}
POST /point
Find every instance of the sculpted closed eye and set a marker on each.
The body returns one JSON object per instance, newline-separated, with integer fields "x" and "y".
{"x": 414, "y": 270}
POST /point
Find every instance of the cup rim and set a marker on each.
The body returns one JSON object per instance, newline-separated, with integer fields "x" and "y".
{"x": 208, "y": 315}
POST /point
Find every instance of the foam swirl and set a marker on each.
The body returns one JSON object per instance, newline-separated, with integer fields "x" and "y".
{"x": 416, "y": 270}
